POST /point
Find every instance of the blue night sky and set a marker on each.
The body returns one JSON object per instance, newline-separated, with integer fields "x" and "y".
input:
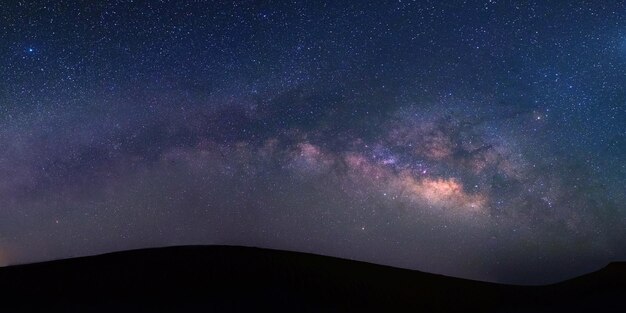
{"x": 479, "y": 139}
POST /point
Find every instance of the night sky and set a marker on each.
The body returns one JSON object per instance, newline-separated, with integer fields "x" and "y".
{"x": 479, "y": 139}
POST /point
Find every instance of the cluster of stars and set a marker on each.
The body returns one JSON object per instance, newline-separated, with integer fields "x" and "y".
{"x": 477, "y": 140}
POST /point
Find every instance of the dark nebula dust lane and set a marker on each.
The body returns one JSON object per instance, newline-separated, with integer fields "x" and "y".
{"x": 481, "y": 139}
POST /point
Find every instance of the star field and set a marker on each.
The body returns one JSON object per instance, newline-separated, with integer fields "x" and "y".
{"x": 479, "y": 139}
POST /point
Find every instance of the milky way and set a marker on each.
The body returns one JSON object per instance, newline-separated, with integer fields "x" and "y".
{"x": 481, "y": 140}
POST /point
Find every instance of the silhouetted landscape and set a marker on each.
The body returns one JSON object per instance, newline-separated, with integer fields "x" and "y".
{"x": 228, "y": 278}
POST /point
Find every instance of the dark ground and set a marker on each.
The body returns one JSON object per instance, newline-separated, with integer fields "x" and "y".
{"x": 224, "y": 278}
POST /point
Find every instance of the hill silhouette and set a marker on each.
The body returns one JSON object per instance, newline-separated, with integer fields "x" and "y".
{"x": 232, "y": 279}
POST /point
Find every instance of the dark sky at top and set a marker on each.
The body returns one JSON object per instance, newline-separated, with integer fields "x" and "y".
{"x": 480, "y": 139}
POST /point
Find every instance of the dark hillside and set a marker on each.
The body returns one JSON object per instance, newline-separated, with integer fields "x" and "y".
{"x": 224, "y": 278}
